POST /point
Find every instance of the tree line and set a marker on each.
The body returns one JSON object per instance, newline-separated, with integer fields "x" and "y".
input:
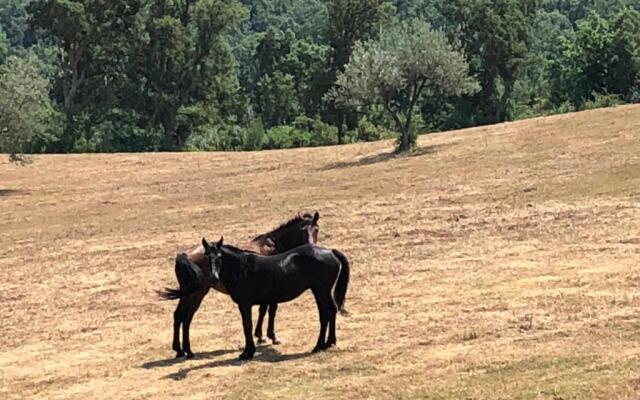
{"x": 159, "y": 75}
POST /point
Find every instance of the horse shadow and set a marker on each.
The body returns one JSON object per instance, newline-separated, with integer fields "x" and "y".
{"x": 382, "y": 157}
{"x": 197, "y": 356}
{"x": 264, "y": 354}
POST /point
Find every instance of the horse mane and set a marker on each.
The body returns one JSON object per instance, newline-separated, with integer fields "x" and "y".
{"x": 293, "y": 221}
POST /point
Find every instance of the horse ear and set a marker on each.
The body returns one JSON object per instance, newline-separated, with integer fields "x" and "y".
{"x": 219, "y": 244}
{"x": 206, "y": 245}
{"x": 316, "y": 217}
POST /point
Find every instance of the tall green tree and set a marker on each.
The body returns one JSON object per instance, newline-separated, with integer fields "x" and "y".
{"x": 66, "y": 21}
{"x": 95, "y": 51}
{"x": 291, "y": 72}
{"x": 350, "y": 21}
{"x": 496, "y": 35}
{"x": 186, "y": 64}
{"x": 398, "y": 68}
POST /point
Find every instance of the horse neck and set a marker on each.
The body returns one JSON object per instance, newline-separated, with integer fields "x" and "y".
{"x": 233, "y": 259}
{"x": 288, "y": 238}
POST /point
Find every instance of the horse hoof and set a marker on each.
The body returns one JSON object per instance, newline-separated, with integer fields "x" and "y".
{"x": 261, "y": 340}
{"x": 189, "y": 355}
{"x": 317, "y": 349}
{"x": 245, "y": 356}
{"x": 274, "y": 339}
{"x": 179, "y": 354}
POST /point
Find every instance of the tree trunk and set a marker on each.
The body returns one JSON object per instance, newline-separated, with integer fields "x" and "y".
{"x": 405, "y": 139}
{"x": 77, "y": 77}
{"x": 501, "y": 111}
{"x": 169, "y": 125}
{"x": 341, "y": 126}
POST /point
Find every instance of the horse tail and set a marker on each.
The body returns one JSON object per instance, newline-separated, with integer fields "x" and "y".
{"x": 189, "y": 277}
{"x": 170, "y": 294}
{"x": 340, "y": 291}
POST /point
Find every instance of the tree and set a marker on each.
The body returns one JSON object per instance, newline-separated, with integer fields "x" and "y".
{"x": 68, "y": 22}
{"x": 25, "y": 109}
{"x": 186, "y": 64}
{"x": 290, "y": 72}
{"x": 350, "y": 21}
{"x": 398, "y": 68}
{"x": 601, "y": 57}
{"x": 496, "y": 35}
{"x": 93, "y": 47}
{"x": 625, "y": 46}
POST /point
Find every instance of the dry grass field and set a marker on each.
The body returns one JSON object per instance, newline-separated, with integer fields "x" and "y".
{"x": 498, "y": 262}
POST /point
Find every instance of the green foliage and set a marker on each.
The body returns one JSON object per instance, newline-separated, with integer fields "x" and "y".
{"x": 368, "y": 131}
{"x": 599, "y": 58}
{"x": 350, "y": 21}
{"x": 121, "y": 131}
{"x": 147, "y": 75}
{"x": 601, "y": 100}
{"x": 13, "y": 20}
{"x": 277, "y": 101}
{"x": 4, "y": 46}
{"x": 186, "y": 61}
{"x": 496, "y": 35}
{"x": 304, "y": 132}
{"x": 254, "y": 136}
{"x": 24, "y": 104}
{"x": 288, "y": 70}
{"x": 396, "y": 69}
{"x": 306, "y": 19}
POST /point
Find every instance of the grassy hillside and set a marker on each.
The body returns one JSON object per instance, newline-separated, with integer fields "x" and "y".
{"x": 494, "y": 263}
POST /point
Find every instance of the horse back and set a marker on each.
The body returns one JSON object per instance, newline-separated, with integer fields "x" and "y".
{"x": 283, "y": 277}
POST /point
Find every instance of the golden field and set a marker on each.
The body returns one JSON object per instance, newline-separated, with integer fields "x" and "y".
{"x": 499, "y": 262}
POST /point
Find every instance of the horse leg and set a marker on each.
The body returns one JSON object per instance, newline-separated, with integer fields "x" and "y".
{"x": 333, "y": 309}
{"x": 186, "y": 343}
{"x": 323, "y": 312}
{"x": 193, "y": 307}
{"x": 271, "y": 330}
{"x": 258, "y": 331}
{"x": 178, "y": 318}
{"x": 249, "y": 347}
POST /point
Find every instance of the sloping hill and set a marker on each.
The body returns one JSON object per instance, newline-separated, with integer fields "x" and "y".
{"x": 495, "y": 262}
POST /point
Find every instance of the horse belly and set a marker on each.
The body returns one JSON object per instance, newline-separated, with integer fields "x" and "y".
{"x": 281, "y": 290}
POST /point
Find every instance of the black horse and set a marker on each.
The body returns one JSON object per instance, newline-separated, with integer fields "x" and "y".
{"x": 253, "y": 279}
{"x": 193, "y": 272}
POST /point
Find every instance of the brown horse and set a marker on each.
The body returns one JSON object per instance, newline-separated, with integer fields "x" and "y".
{"x": 193, "y": 272}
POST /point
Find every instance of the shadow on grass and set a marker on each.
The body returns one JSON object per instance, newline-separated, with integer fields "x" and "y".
{"x": 383, "y": 157}
{"x": 263, "y": 354}
{"x": 197, "y": 356}
{"x": 11, "y": 192}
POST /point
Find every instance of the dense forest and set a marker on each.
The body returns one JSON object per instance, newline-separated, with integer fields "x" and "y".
{"x": 149, "y": 75}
